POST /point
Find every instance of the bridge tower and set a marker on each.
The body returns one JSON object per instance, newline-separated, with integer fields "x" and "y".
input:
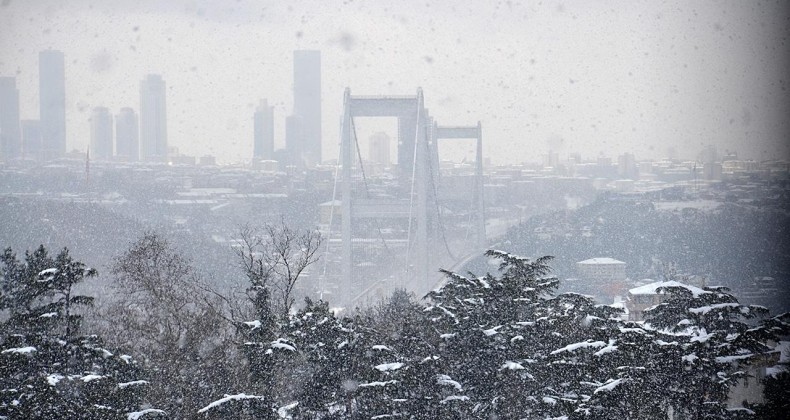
{"x": 418, "y": 165}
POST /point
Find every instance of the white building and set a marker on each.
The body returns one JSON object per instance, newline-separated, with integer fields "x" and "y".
{"x": 601, "y": 269}
{"x": 605, "y": 278}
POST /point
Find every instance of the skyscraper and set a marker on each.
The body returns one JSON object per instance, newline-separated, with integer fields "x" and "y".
{"x": 263, "y": 139}
{"x": 307, "y": 103}
{"x": 10, "y": 136}
{"x": 153, "y": 119}
{"x": 101, "y": 133}
{"x": 52, "y": 100}
{"x": 31, "y": 139}
{"x": 294, "y": 140}
{"x": 127, "y": 138}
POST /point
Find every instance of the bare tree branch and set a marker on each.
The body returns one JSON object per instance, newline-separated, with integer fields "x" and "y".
{"x": 274, "y": 256}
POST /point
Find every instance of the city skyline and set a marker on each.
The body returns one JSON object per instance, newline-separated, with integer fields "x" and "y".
{"x": 644, "y": 78}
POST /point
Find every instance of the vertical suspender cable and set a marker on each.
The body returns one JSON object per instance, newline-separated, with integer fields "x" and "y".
{"x": 411, "y": 195}
{"x": 331, "y": 221}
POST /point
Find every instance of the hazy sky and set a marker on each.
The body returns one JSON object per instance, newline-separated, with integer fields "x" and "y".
{"x": 597, "y": 77}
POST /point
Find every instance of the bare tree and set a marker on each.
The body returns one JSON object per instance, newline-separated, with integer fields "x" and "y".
{"x": 273, "y": 257}
{"x": 164, "y": 313}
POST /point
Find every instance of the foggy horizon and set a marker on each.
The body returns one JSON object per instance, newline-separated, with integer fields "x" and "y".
{"x": 597, "y": 79}
{"x": 348, "y": 209}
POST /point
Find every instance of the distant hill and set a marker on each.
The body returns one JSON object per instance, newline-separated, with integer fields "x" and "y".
{"x": 96, "y": 235}
{"x": 730, "y": 242}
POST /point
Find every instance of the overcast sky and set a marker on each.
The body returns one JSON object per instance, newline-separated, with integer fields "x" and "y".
{"x": 595, "y": 77}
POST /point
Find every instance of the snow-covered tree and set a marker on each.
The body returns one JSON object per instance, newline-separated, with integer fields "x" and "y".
{"x": 713, "y": 338}
{"x": 326, "y": 346}
{"x": 482, "y": 322}
{"x": 273, "y": 258}
{"x": 47, "y": 368}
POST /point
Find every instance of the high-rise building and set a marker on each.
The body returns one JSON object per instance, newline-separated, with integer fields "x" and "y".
{"x": 263, "y": 138}
{"x": 10, "y": 136}
{"x": 379, "y": 149}
{"x": 294, "y": 140}
{"x": 52, "y": 100}
{"x": 32, "y": 146}
{"x": 307, "y": 103}
{"x": 153, "y": 119}
{"x": 101, "y": 133}
{"x": 127, "y": 138}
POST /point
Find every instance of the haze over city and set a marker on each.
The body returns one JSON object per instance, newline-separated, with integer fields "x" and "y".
{"x": 597, "y": 79}
{"x": 412, "y": 209}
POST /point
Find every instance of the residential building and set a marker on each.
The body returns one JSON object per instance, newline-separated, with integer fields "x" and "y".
{"x": 605, "y": 278}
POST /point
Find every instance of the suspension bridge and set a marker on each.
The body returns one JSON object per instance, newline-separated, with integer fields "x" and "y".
{"x": 398, "y": 233}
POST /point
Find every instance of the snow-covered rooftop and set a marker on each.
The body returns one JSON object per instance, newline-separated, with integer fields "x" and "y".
{"x": 651, "y": 288}
{"x": 601, "y": 261}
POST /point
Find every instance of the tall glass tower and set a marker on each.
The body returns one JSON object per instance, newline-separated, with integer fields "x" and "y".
{"x": 263, "y": 139}
{"x": 153, "y": 119}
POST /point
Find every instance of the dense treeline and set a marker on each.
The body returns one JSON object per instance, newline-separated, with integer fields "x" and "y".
{"x": 502, "y": 345}
{"x": 730, "y": 245}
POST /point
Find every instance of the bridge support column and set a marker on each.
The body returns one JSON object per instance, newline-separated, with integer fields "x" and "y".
{"x": 347, "y": 282}
{"x": 480, "y": 217}
{"x": 421, "y": 258}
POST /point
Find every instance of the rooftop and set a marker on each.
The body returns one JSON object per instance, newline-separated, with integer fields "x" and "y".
{"x": 651, "y": 288}
{"x": 601, "y": 261}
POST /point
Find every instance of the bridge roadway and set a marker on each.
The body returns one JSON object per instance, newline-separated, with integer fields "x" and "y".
{"x": 383, "y": 287}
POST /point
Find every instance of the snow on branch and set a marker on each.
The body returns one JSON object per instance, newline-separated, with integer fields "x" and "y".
{"x": 575, "y": 346}
{"x": 227, "y": 398}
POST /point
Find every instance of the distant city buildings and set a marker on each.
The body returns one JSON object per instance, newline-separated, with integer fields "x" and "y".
{"x": 153, "y": 119}
{"x": 127, "y": 138}
{"x": 263, "y": 138}
{"x": 307, "y": 107}
{"x": 101, "y": 133}
{"x": 379, "y": 149}
{"x": 52, "y": 102}
{"x": 10, "y": 135}
{"x": 626, "y": 166}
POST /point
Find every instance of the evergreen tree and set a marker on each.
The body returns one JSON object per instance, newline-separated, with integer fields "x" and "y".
{"x": 326, "y": 348}
{"x": 481, "y": 321}
{"x": 47, "y": 369}
{"x": 714, "y": 338}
